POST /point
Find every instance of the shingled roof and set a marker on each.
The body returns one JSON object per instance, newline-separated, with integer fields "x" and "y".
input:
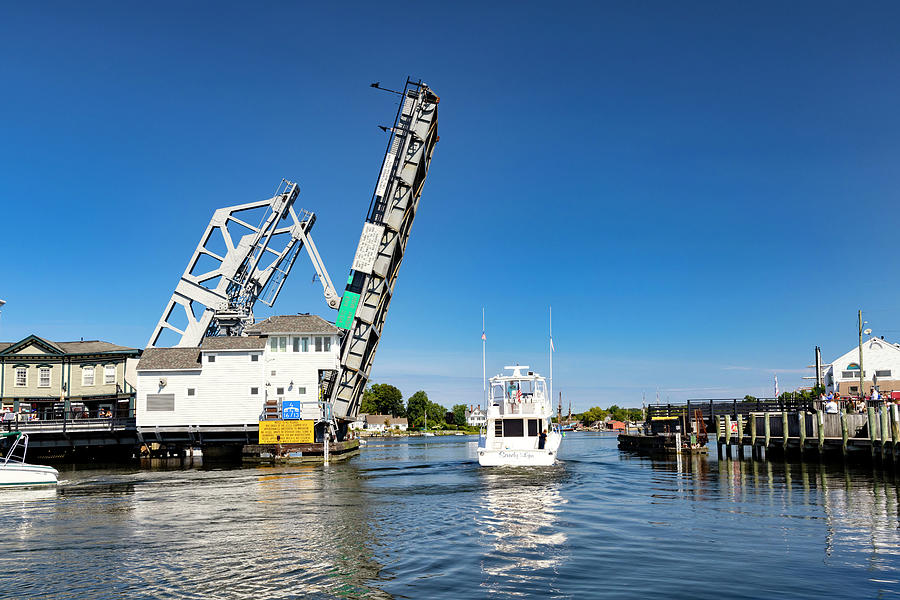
{"x": 70, "y": 348}
{"x": 169, "y": 358}
{"x": 91, "y": 346}
{"x": 232, "y": 342}
{"x": 303, "y": 323}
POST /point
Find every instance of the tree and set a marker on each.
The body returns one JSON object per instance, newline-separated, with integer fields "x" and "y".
{"x": 388, "y": 400}
{"x": 459, "y": 415}
{"x": 437, "y": 415}
{"x": 415, "y": 408}
{"x": 369, "y": 403}
{"x": 592, "y": 415}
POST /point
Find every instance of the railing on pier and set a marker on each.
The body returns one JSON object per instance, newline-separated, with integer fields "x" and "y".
{"x": 68, "y": 422}
{"x": 735, "y": 407}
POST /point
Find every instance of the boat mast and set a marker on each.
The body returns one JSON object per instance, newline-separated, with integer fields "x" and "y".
{"x": 551, "y": 354}
{"x": 483, "y": 364}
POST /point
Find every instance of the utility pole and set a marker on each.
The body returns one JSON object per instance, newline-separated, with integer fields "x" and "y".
{"x": 862, "y": 373}
{"x": 818, "y": 367}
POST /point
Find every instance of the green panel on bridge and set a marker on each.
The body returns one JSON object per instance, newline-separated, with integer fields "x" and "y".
{"x": 349, "y": 302}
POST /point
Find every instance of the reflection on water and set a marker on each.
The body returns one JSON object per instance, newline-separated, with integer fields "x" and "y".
{"x": 419, "y": 518}
{"x": 521, "y": 522}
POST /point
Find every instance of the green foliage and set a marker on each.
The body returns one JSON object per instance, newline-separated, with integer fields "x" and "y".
{"x": 369, "y": 404}
{"x": 459, "y": 414}
{"x": 614, "y": 412}
{"x": 382, "y": 399}
{"x": 749, "y": 398}
{"x": 592, "y": 415}
{"x": 415, "y": 408}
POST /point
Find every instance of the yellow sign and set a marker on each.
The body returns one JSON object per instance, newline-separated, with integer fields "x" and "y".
{"x": 286, "y": 432}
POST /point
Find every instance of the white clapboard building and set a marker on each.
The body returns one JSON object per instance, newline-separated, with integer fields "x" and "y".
{"x": 230, "y": 381}
{"x": 881, "y": 362}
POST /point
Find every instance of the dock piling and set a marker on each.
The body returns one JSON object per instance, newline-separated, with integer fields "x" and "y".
{"x": 870, "y": 413}
{"x": 784, "y": 430}
{"x": 801, "y": 421}
{"x": 728, "y": 435}
{"x": 820, "y": 430}
{"x": 844, "y": 433}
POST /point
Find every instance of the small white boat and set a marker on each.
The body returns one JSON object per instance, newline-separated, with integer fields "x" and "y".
{"x": 15, "y": 472}
{"x": 518, "y": 431}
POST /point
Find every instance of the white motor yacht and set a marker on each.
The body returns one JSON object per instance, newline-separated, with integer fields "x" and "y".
{"x": 518, "y": 431}
{"x": 15, "y": 472}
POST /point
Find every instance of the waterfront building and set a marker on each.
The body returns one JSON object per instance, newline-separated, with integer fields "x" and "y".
{"x": 475, "y": 416}
{"x": 385, "y": 422}
{"x": 50, "y": 380}
{"x": 881, "y": 363}
{"x": 360, "y": 422}
{"x": 282, "y": 363}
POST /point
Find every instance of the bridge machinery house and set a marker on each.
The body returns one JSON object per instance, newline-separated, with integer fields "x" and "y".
{"x": 881, "y": 362}
{"x": 229, "y": 380}
{"x": 51, "y": 380}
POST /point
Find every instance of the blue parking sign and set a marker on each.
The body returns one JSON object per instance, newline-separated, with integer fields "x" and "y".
{"x": 290, "y": 409}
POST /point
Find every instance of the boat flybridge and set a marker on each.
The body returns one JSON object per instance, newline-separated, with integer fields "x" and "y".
{"x": 518, "y": 431}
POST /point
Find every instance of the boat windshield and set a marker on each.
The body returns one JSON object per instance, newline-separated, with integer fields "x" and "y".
{"x": 518, "y": 389}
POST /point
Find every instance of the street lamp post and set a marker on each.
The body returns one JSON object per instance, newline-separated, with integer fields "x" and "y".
{"x": 862, "y": 372}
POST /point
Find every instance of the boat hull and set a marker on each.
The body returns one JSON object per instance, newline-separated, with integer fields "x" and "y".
{"x": 23, "y": 474}
{"x": 516, "y": 458}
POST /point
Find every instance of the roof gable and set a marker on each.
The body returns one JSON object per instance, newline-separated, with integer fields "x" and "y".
{"x": 32, "y": 345}
{"x": 870, "y": 345}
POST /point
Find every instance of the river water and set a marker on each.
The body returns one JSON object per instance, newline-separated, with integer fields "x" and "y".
{"x": 417, "y": 518}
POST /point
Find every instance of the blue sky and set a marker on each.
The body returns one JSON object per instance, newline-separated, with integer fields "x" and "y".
{"x": 703, "y": 192}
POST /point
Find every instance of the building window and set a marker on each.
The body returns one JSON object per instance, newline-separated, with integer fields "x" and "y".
{"x": 21, "y": 376}
{"x": 302, "y": 390}
{"x": 211, "y": 358}
{"x": 254, "y": 358}
{"x": 328, "y": 344}
{"x": 279, "y": 391}
{"x": 273, "y": 344}
{"x": 318, "y": 344}
{"x": 87, "y": 376}
{"x": 44, "y": 377}
{"x": 304, "y": 343}
{"x": 282, "y": 344}
{"x": 296, "y": 344}
{"x": 884, "y": 373}
{"x": 851, "y": 374}
{"x": 191, "y": 391}
{"x": 109, "y": 374}
{"x": 273, "y": 373}
{"x": 854, "y": 389}
{"x": 254, "y": 391}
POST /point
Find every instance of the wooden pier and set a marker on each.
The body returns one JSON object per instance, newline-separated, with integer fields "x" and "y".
{"x": 872, "y": 434}
{"x": 770, "y": 427}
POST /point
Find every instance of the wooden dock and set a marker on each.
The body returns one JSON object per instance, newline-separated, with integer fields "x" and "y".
{"x": 873, "y": 434}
